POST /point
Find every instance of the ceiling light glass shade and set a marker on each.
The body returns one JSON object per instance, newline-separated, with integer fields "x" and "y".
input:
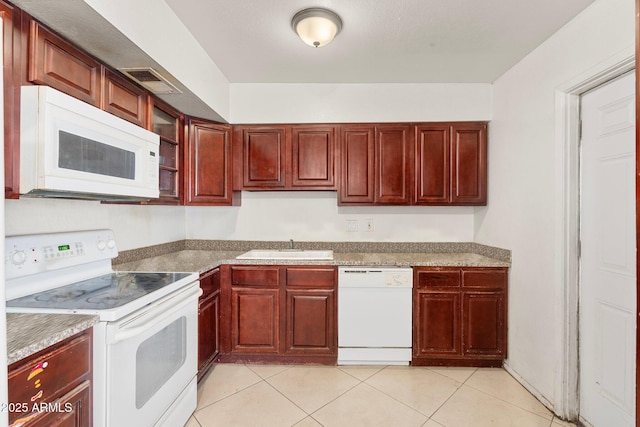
{"x": 316, "y": 26}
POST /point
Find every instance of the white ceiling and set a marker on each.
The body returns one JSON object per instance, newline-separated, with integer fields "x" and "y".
{"x": 382, "y": 41}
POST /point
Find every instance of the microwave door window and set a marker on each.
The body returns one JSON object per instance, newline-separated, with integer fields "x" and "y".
{"x": 86, "y": 155}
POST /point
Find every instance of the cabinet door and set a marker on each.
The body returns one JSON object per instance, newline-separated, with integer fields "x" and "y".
{"x": 433, "y": 159}
{"x": 484, "y": 312}
{"x": 76, "y": 410}
{"x": 483, "y": 320}
{"x": 394, "y": 146}
{"x": 12, "y": 54}
{"x": 311, "y": 317}
{"x": 313, "y": 150}
{"x": 310, "y": 322}
{"x": 469, "y": 164}
{"x": 357, "y": 165}
{"x": 168, "y": 124}
{"x": 56, "y": 63}
{"x": 255, "y": 320}
{"x": 208, "y": 320}
{"x": 124, "y": 99}
{"x": 255, "y": 309}
{"x": 264, "y": 157}
{"x": 209, "y": 164}
{"x": 436, "y": 324}
{"x": 208, "y": 332}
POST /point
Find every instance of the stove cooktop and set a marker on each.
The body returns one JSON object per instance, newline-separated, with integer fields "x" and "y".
{"x": 106, "y": 292}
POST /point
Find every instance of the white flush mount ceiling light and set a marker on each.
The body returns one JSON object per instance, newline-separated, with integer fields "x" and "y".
{"x": 316, "y": 26}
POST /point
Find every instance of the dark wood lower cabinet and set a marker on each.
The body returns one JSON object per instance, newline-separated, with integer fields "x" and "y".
{"x": 53, "y": 386}
{"x": 279, "y": 314}
{"x": 459, "y": 316}
{"x": 208, "y": 320}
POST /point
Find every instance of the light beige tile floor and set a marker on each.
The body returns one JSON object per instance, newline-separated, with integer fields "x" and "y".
{"x": 312, "y": 396}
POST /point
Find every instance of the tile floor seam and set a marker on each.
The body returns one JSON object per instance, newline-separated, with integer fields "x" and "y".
{"x": 295, "y": 404}
{"x": 448, "y": 398}
{"x": 229, "y": 395}
{"x": 399, "y": 401}
{"x": 508, "y": 403}
{"x": 332, "y": 400}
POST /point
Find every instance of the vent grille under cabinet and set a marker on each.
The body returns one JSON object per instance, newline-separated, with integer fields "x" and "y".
{"x": 150, "y": 79}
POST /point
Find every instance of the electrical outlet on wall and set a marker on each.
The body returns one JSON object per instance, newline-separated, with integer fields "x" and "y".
{"x": 352, "y": 225}
{"x": 368, "y": 224}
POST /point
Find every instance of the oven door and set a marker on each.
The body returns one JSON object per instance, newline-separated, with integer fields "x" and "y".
{"x": 152, "y": 359}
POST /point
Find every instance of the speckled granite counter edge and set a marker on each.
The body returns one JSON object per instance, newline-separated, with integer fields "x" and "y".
{"x": 338, "y": 247}
{"x": 28, "y": 333}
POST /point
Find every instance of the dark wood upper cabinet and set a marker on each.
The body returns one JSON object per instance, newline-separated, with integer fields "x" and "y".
{"x": 433, "y": 164}
{"x": 56, "y": 63}
{"x": 357, "y": 165}
{"x": 124, "y": 99}
{"x": 451, "y": 164}
{"x": 286, "y": 157}
{"x": 208, "y": 162}
{"x": 168, "y": 123}
{"x": 12, "y": 80}
{"x": 313, "y": 155}
{"x": 469, "y": 164}
{"x": 394, "y": 146}
{"x": 263, "y": 156}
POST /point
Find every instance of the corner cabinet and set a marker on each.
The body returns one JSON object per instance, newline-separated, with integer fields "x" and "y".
{"x": 58, "y": 379}
{"x": 279, "y": 314}
{"x": 459, "y": 316}
{"x": 208, "y": 163}
{"x": 208, "y": 321}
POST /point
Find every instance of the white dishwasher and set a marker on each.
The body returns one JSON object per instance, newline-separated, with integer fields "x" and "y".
{"x": 374, "y": 315}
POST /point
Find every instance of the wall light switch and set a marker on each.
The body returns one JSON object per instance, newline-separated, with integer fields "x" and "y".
{"x": 352, "y": 225}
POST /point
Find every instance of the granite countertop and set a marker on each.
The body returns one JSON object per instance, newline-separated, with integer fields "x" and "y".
{"x": 204, "y": 260}
{"x": 28, "y": 333}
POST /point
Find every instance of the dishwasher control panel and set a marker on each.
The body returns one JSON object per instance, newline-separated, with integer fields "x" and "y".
{"x": 375, "y": 277}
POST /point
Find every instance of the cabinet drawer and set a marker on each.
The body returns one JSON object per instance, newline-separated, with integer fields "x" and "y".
{"x": 265, "y": 277}
{"x": 45, "y": 378}
{"x": 438, "y": 279}
{"x": 485, "y": 279}
{"x": 311, "y": 277}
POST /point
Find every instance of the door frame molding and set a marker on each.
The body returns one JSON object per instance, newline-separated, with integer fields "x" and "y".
{"x": 567, "y": 118}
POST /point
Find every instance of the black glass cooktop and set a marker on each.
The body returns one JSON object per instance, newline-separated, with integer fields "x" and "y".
{"x": 99, "y": 293}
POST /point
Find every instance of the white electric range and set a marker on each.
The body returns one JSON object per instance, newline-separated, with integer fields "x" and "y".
{"x": 145, "y": 344}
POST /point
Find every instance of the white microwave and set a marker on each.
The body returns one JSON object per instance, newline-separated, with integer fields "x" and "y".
{"x": 71, "y": 149}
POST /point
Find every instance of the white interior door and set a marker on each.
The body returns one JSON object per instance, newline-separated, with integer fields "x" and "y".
{"x": 608, "y": 262}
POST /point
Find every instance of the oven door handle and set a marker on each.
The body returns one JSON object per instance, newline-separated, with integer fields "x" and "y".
{"x": 178, "y": 303}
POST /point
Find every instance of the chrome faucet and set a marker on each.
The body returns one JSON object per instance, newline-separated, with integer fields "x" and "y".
{"x": 291, "y": 244}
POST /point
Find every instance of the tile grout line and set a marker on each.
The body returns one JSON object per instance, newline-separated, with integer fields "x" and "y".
{"x": 452, "y": 394}
{"x": 511, "y": 403}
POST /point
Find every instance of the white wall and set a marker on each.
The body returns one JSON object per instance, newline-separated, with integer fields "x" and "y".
{"x": 523, "y": 209}
{"x": 315, "y": 216}
{"x": 174, "y": 47}
{"x": 134, "y": 226}
{"x": 343, "y": 103}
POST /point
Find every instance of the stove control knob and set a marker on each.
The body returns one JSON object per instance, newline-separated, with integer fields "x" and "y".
{"x": 111, "y": 244}
{"x": 18, "y": 257}
{"x": 101, "y": 245}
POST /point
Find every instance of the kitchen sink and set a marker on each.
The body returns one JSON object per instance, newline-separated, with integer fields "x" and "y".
{"x": 287, "y": 254}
